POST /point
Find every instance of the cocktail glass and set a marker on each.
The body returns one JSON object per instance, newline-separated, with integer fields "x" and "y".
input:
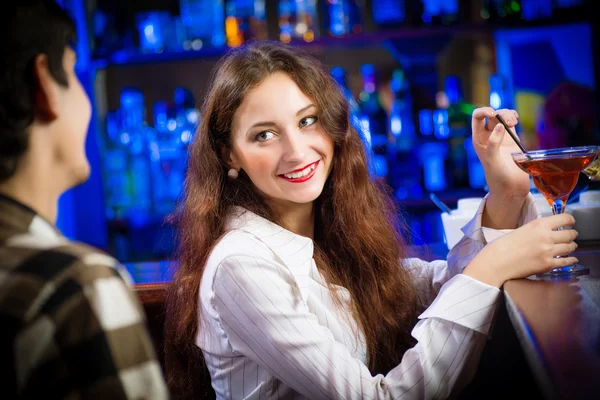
{"x": 555, "y": 173}
{"x": 593, "y": 170}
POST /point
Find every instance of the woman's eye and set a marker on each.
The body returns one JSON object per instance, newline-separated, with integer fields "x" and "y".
{"x": 307, "y": 121}
{"x": 264, "y": 136}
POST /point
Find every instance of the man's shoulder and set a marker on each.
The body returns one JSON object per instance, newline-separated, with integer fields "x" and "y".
{"x": 51, "y": 262}
{"x": 36, "y": 275}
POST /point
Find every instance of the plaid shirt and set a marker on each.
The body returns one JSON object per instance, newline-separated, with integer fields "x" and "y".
{"x": 69, "y": 325}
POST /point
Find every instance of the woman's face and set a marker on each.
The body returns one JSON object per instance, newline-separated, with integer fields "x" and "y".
{"x": 278, "y": 141}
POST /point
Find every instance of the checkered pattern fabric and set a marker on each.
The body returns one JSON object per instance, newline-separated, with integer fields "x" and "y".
{"x": 70, "y": 327}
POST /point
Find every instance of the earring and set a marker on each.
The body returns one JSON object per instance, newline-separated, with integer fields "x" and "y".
{"x": 232, "y": 173}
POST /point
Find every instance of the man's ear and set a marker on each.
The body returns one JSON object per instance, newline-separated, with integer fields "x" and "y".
{"x": 46, "y": 92}
{"x": 229, "y": 158}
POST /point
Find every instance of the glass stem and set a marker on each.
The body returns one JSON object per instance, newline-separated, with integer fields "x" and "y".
{"x": 558, "y": 207}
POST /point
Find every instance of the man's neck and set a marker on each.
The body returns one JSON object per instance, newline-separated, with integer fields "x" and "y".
{"x": 34, "y": 191}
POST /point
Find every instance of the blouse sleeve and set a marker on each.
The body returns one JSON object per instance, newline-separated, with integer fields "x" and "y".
{"x": 262, "y": 313}
{"x": 431, "y": 276}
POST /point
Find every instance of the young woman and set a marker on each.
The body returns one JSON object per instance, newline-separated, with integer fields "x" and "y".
{"x": 293, "y": 279}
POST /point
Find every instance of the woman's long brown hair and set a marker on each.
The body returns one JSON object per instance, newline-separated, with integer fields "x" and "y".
{"x": 357, "y": 240}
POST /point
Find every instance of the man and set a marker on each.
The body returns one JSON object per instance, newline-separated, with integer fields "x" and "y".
{"x": 69, "y": 325}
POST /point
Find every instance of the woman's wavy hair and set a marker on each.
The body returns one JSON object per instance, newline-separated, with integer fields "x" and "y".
{"x": 358, "y": 240}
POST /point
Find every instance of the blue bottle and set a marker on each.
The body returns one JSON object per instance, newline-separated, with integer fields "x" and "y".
{"x": 245, "y": 19}
{"x": 117, "y": 186}
{"x": 389, "y": 11}
{"x": 140, "y": 140}
{"x": 204, "y": 21}
{"x": 374, "y": 119}
{"x": 405, "y": 171}
{"x": 298, "y": 19}
{"x": 344, "y": 17}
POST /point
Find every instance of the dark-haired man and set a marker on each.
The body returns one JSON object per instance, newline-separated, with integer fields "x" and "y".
{"x": 69, "y": 325}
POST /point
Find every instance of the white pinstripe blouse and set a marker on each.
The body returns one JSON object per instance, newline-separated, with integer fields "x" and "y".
{"x": 270, "y": 330}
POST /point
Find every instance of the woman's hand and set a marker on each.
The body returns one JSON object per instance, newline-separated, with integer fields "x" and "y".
{"x": 508, "y": 184}
{"x": 528, "y": 250}
{"x": 493, "y": 146}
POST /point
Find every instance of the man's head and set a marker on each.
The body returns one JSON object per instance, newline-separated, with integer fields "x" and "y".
{"x": 44, "y": 111}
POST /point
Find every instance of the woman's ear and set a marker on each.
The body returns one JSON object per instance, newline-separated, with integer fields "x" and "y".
{"x": 229, "y": 158}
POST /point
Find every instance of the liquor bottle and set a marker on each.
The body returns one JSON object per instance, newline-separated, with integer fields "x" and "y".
{"x": 117, "y": 186}
{"x": 204, "y": 21}
{"x": 387, "y": 12}
{"x": 502, "y": 10}
{"x": 402, "y": 126}
{"x": 426, "y": 123}
{"x": 245, "y": 20}
{"x": 140, "y": 140}
{"x": 298, "y": 19}
{"x": 440, "y": 12}
{"x": 343, "y": 17}
{"x": 168, "y": 168}
{"x": 536, "y": 9}
{"x": 374, "y": 120}
{"x": 459, "y": 110}
{"x": 433, "y": 156}
{"x": 339, "y": 74}
{"x": 497, "y": 92}
{"x": 187, "y": 115}
{"x": 357, "y": 119}
{"x": 404, "y": 173}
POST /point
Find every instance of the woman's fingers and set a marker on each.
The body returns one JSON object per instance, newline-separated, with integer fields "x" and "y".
{"x": 564, "y": 249}
{"x": 560, "y": 220}
{"x": 565, "y": 235}
{"x": 560, "y": 262}
{"x": 511, "y": 117}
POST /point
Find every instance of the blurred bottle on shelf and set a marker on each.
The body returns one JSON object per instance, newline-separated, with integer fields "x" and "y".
{"x": 117, "y": 185}
{"x": 343, "y": 17}
{"x": 432, "y": 155}
{"x": 204, "y": 21}
{"x": 441, "y": 126}
{"x": 245, "y": 20}
{"x": 157, "y": 32}
{"x": 388, "y": 12}
{"x": 106, "y": 36}
{"x": 536, "y": 9}
{"x": 340, "y": 76}
{"x": 139, "y": 139}
{"x": 167, "y": 170}
{"x": 459, "y": 110}
{"x": 433, "y": 149}
{"x": 426, "y": 123}
{"x": 502, "y": 10}
{"x": 497, "y": 92}
{"x": 374, "y": 120}
{"x": 459, "y": 122}
{"x": 186, "y": 114}
{"x": 402, "y": 126}
{"x": 298, "y": 19}
{"x": 404, "y": 175}
{"x": 440, "y": 12}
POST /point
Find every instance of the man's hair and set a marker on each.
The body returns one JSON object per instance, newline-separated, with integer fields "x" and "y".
{"x": 27, "y": 28}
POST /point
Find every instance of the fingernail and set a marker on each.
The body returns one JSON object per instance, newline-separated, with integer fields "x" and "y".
{"x": 498, "y": 128}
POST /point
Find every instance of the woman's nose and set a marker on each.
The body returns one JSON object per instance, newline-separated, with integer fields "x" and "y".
{"x": 294, "y": 147}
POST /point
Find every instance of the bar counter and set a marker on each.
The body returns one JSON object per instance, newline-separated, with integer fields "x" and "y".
{"x": 557, "y": 322}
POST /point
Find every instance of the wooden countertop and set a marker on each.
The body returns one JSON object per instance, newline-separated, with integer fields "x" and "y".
{"x": 558, "y": 324}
